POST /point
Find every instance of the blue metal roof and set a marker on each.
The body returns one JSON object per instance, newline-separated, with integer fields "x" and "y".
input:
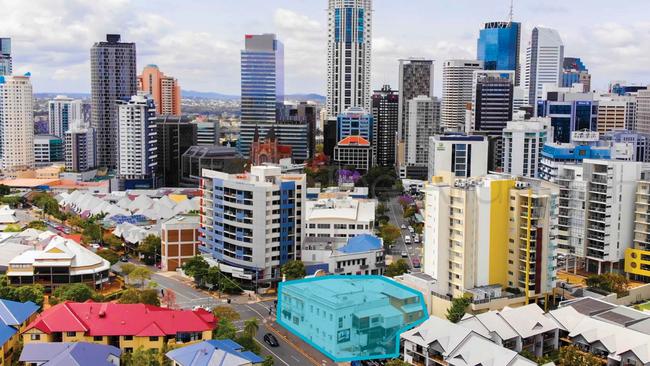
{"x": 200, "y": 354}
{"x": 361, "y": 243}
{"x": 72, "y": 353}
{"x": 15, "y": 313}
{"x": 576, "y": 152}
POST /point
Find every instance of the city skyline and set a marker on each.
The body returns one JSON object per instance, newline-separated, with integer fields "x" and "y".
{"x": 199, "y": 44}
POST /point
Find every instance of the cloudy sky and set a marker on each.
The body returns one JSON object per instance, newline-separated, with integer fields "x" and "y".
{"x": 198, "y": 41}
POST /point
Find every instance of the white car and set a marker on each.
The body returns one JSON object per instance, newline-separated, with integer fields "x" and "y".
{"x": 95, "y": 246}
{"x": 407, "y": 240}
{"x": 405, "y": 255}
{"x": 403, "y": 227}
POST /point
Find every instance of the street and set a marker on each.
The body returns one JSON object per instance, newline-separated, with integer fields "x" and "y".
{"x": 413, "y": 250}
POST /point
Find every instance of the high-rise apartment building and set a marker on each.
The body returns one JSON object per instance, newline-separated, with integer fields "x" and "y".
{"x": 113, "y": 77}
{"x": 616, "y": 113}
{"x": 498, "y": 47}
{"x": 5, "y": 57}
{"x": 349, "y": 46}
{"x": 596, "y": 211}
{"x": 80, "y": 149}
{"x": 462, "y": 155}
{"x": 136, "y": 144}
{"x": 165, "y": 90}
{"x": 492, "y": 107}
{"x": 643, "y": 111}
{"x": 523, "y": 142}
{"x": 637, "y": 258}
{"x": 424, "y": 121}
{"x": 544, "y": 58}
{"x": 262, "y": 85}
{"x": 251, "y": 224}
{"x": 457, "y": 82}
{"x": 385, "y": 112}
{"x": 62, "y": 113}
{"x": 574, "y": 71}
{"x": 16, "y": 124}
{"x": 415, "y": 79}
{"x": 175, "y": 134}
{"x": 495, "y": 230}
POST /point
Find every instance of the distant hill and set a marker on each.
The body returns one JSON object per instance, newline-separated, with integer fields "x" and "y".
{"x": 207, "y": 95}
{"x": 52, "y": 95}
{"x": 195, "y": 94}
{"x": 304, "y": 97}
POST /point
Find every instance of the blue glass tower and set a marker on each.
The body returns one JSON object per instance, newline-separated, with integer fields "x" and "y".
{"x": 262, "y": 85}
{"x": 498, "y": 47}
{"x": 355, "y": 122}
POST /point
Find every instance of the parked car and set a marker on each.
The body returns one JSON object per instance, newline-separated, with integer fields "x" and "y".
{"x": 403, "y": 226}
{"x": 95, "y": 246}
{"x": 271, "y": 340}
{"x": 407, "y": 240}
{"x": 411, "y": 230}
{"x": 124, "y": 259}
{"x": 405, "y": 255}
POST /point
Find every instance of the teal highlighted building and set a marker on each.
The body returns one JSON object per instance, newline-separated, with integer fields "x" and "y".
{"x": 350, "y": 318}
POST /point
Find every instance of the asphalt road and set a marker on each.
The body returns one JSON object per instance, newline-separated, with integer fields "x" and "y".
{"x": 187, "y": 297}
{"x": 413, "y": 250}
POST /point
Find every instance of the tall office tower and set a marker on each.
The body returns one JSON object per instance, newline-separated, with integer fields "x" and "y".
{"x": 490, "y": 231}
{"x": 175, "y": 135}
{"x": 462, "y": 155}
{"x": 523, "y": 142}
{"x": 62, "y": 112}
{"x": 355, "y": 121}
{"x": 596, "y": 210}
{"x": 5, "y": 56}
{"x": 165, "y": 90}
{"x": 302, "y": 113}
{"x": 498, "y": 47}
{"x": 457, "y": 82}
{"x": 236, "y": 225}
{"x": 262, "y": 85}
{"x": 136, "y": 143}
{"x": 616, "y": 113}
{"x": 492, "y": 103}
{"x": 415, "y": 79}
{"x": 636, "y": 258}
{"x": 385, "y": 112}
{"x": 424, "y": 121}
{"x": 16, "y": 124}
{"x": 113, "y": 77}
{"x": 544, "y": 57}
{"x": 80, "y": 149}
{"x": 330, "y": 132}
{"x": 570, "y": 109}
{"x": 349, "y": 46}
{"x": 621, "y": 87}
{"x": 574, "y": 71}
{"x": 643, "y": 111}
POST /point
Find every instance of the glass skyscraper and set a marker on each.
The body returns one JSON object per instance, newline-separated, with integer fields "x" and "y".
{"x": 498, "y": 47}
{"x": 5, "y": 56}
{"x": 262, "y": 85}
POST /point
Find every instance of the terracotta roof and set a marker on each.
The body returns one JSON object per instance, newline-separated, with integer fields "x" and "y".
{"x": 354, "y": 140}
{"x": 105, "y": 319}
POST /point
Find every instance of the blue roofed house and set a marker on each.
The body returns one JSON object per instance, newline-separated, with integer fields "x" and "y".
{"x": 70, "y": 353}
{"x": 213, "y": 352}
{"x": 14, "y": 317}
{"x": 359, "y": 255}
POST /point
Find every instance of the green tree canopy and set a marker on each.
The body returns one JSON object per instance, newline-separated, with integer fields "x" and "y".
{"x": 13, "y": 228}
{"x": 251, "y": 326}
{"x": 77, "y": 292}
{"x": 397, "y": 362}
{"x": 4, "y": 190}
{"x": 389, "y": 233}
{"x": 294, "y": 270}
{"x": 140, "y": 274}
{"x": 38, "y": 225}
{"x": 396, "y": 268}
{"x": 225, "y": 312}
{"x": 196, "y": 265}
{"x": 573, "y": 356}
{"x": 248, "y": 343}
{"x": 225, "y": 330}
{"x": 148, "y": 248}
{"x": 609, "y": 282}
{"x": 92, "y": 233}
{"x": 109, "y": 255}
{"x": 457, "y": 309}
{"x": 113, "y": 242}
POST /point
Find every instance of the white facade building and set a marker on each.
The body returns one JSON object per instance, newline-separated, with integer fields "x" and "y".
{"x": 80, "y": 149}
{"x": 457, "y": 80}
{"x": 16, "y": 124}
{"x": 462, "y": 155}
{"x": 62, "y": 113}
{"x": 424, "y": 121}
{"x": 361, "y": 255}
{"x": 522, "y": 145}
{"x": 544, "y": 57}
{"x": 349, "y": 45}
{"x": 251, "y": 223}
{"x": 339, "y": 217}
{"x": 136, "y": 134}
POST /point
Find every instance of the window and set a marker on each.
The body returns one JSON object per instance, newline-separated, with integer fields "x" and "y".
{"x": 153, "y": 339}
{"x": 70, "y": 334}
{"x": 98, "y": 338}
{"x": 128, "y": 338}
{"x": 35, "y": 337}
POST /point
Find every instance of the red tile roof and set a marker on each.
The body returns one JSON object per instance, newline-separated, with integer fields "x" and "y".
{"x": 106, "y": 319}
{"x": 354, "y": 140}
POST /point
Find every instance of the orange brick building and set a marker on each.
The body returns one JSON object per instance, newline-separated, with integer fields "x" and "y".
{"x": 179, "y": 241}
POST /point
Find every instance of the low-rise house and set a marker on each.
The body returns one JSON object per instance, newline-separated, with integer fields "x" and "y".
{"x": 125, "y": 326}
{"x": 74, "y": 353}
{"x": 58, "y": 261}
{"x": 362, "y": 254}
{"x": 213, "y": 352}
{"x": 14, "y": 317}
{"x": 339, "y": 217}
{"x": 524, "y": 328}
{"x": 440, "y": 342}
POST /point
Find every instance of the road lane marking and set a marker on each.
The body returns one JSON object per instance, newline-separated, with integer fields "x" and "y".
{"x": 273, "y": 353}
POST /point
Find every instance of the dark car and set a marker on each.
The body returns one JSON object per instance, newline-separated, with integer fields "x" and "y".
{"x": 271, "y": 340}
{"x": 124, "y": 259}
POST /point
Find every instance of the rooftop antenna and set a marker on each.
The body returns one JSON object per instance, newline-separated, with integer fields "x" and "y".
{"x": 511, "y": 15}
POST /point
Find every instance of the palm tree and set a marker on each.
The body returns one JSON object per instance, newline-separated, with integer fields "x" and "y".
{"x": 251, "y": 326}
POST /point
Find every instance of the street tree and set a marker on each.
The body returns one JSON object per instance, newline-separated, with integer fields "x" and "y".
{"x": 77, "y": 292}
{"x": 389, "y": 233}
{"x": 148, "y": 248}
{"x": 129, "y": 296}
{"x": 397, "y": 268}
{"x": 294, "y": 270}
{"x": 109, "y": 255}
{"x": 225, "y": 330}
{"x": 195, "y": 266}
{"x": 92, "y": 233}
{"x": 141, "y": 274}
{"x": 126, "y": 269}
{"x": 169, "y": 298}
{"x": 457, "y": 309}
{"x": 225, "y": 312}
{"x": 397, "y": 362}
{"x": 38, "y": 225}
{"x": 251, "y": 326}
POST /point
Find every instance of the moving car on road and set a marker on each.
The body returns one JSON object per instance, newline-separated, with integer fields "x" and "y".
{"x": 403, "y": 226}
{"x": 271, "y": 340}
{"x": 407, "y": 240}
